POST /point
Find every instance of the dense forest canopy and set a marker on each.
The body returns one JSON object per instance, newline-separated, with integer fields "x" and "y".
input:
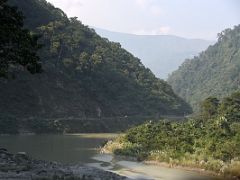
{"x": 17, "y": 45}
{"x": 84, "y": 74}
{"x": 215, "y": 72}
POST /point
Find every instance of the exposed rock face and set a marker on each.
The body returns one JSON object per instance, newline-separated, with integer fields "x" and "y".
{"x": 22, "y": 167}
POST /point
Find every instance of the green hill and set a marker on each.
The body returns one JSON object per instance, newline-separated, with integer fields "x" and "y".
{"x": 84, "y": 75}
{"x": 215, "y": 72}
{"x": 161, "y": 53}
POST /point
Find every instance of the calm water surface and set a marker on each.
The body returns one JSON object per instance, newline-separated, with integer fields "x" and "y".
{"x": 83, "y": 149}
{"x": 73, "y": 148}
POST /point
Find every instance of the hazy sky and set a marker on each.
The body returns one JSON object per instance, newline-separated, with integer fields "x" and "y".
{"x": 186, "y": 18}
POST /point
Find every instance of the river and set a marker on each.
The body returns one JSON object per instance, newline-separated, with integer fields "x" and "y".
{"x": 83, "y": 149}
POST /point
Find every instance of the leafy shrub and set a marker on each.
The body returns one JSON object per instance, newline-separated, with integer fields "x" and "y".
{"x": 212, "y": 143}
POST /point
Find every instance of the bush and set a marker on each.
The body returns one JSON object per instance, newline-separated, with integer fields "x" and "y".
{"x": 211, "y": 143}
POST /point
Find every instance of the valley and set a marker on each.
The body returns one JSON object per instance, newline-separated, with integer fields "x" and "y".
{"x": 83, "y": 103}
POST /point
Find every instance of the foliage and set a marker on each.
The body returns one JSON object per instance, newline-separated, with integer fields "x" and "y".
{"x": 230, "y": 106}
{"x": 162, "y": 54}
{"x": 17, "y": 45}
{"x": 209, "y": 107}
{"x": 8, "y": 125}
{"x": 40, "y": 126}
{"x": 84, "y": 74}
{"x": 212, "y": 143}
{"x": 37, "y": 12}
{"x": 215, "y": 72}
{"x": 106, "y": 70}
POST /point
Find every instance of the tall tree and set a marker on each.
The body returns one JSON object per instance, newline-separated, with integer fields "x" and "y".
{"x": 18, "y": 46}
{"x": 209, "y": 107}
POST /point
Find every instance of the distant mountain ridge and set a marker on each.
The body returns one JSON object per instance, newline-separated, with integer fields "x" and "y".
{"x": 215, "y": 72}
{"x": 161, "y": 53}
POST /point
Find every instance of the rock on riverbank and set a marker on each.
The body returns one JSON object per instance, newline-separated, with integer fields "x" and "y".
{"x": 22, "y": 167}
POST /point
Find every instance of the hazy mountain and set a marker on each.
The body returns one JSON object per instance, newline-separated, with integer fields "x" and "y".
{"x": 161, "y": 53}
{"x": 215, "y": 72}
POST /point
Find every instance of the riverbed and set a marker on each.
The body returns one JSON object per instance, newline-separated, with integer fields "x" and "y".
{"x": 83, "y": 149}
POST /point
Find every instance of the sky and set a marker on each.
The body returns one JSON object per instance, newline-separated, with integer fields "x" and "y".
{"x": 201, "y": 19}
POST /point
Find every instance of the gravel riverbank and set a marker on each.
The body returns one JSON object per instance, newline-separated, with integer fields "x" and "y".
{"x": 20, "y": 166}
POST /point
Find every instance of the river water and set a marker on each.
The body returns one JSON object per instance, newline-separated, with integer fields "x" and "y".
{"x": 83, "y": 149}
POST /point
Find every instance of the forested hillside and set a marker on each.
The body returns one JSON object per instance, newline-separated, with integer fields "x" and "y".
{"x": 161, "y": 53}
{"x": 83, "y": 75}
{"x": 215, "y": 72}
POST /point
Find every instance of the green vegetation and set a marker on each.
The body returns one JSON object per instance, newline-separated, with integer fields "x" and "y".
{"x": 156, "y": 51}
{"x": 9, "y": 125}
{"x": 209, "y": 140}
{"x": 85, "y": 76}
{"x": 215, "y": 72}
{"x": 17, "y": 45}
{"x": 106, "y": 71}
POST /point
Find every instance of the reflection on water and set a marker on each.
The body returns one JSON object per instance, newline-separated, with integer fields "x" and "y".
{"x": 76, "y": 148}
{"x": 138, "y": 170}
{"x": 82, "y": 148}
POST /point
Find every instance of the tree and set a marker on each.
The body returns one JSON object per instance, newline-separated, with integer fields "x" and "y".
{"x": 214, "y": 72}
{"x": 18, "y": 46}
{"x": 209, "y": 107}
{"x": 230, "y": 107}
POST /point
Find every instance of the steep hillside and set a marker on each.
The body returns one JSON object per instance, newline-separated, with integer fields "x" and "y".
{"x": 84, "y": 75}
{"x": 215, "y": 72}
{"x": 161, "y": 53}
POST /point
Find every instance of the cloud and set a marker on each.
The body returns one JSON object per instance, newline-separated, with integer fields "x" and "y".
{"x": 163, "y": 30}
{"x": 149, "y": 6}
{"x": 142, "y": 3}
{"x": 156, "y": 10}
